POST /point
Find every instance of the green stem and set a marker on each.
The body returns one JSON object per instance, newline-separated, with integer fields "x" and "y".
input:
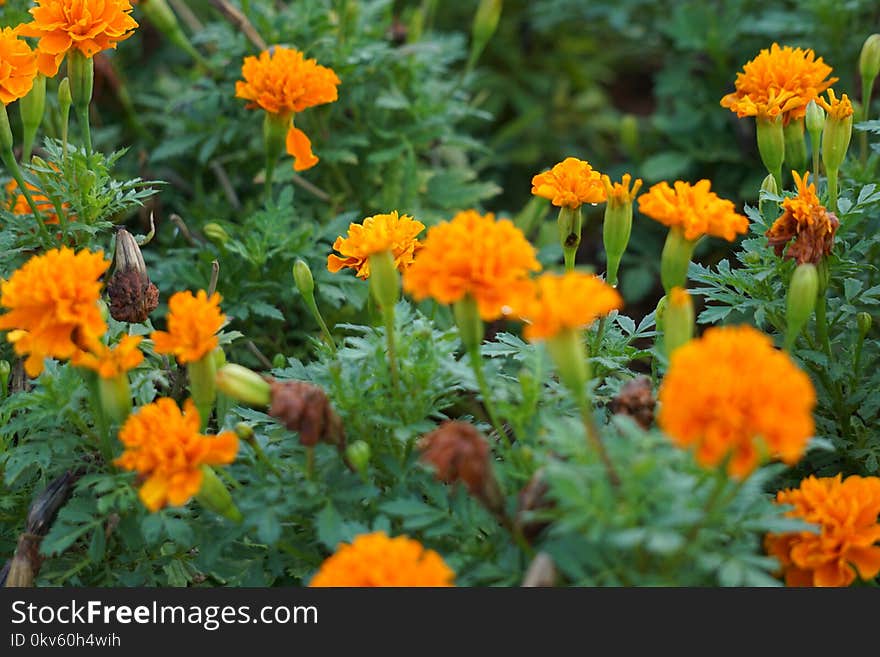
{"x": 83, "y": 116}
{"x": 596, "y": 440}
{"x": 11, "y": 163}
{"x": 816, "y": 163}
{"x": 325, "y": 331}
{"x": 262, "y": 458}
{"x": 867, "y": 89}
{"x": 477, "y": 365}
{"x": 831, "y": 174}
{"x": 388, "y": 317}
{"x": 270, "y": 172}
{"x": 600, "y": 333}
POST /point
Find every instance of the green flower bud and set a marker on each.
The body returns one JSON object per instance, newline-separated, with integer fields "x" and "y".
{"x": 245, "y": 432}
{"x": 675, "y": 260}
{"x": 570, "y": 223}
{"x": 469, "y": 322}
{"x": 5, "y": 371}
{"x": 65, "y": 98}
{"x": 771, "y": 145}
{"x": 244, "y": 385}
{"x": 31, "y": 108}
{"x": 302, "y": 276}
{"x": 6, "y": 141}
{"x": 81, "y": 72}
{"x": 160, "y": 15}
{"x": 216, "y": 233}
{"x": 769, "y": 185}
{"x": 835, "y": 139}
{"x": 384, "y": 280}
{"x": 358, "y": 454}
{"x": 752, "y": 258}
{"x": 618, "y": 221}
{"x": 800, "y": 300}
{"x": 485, "y": 24}
{"x": 215, "y": 496}
{"x": 202, "y": 386}
{"x": 570, "y": 358}
{"x": 279, "y": 360}
{"x": 795, "y": 146}
{"x": 869, "y": 59}
{"x": 864, "y": 322}
{"x": 815, "y": 120}
{"x": 678, "y": 320}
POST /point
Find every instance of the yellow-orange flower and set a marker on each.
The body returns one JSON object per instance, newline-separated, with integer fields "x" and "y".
{"x": 806, "y": 221}
{"x": 18, "y": 66}
{"x": 193, "y": 322}
{"x": 569, "y": 184}
{"x": 848, "y": 542}
{"x": 382, "y": 232}
{"x": 695, "y": 209}
{"x": 473, "y": 255}
{"x": 376, "y": 560}
{"x": 53, "y": 305}
{"x": 620, "y": 193}
{"x": 109, "y": 362}
{"x": 837, "y": 108}
{"x": 782, "y": 77}
{"x": 165, "y": 447}
{"x": 89, "y": 26}
{"x": 18, "y": 203}
{"x": 731, "y": 392}
{"x": 570, "y": 301}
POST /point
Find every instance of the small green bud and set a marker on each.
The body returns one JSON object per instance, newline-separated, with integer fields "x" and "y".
{"x": 618, "y": 221}
{"x": 815, "y": 117}
{"x": 302, "y": 276}
{"x": 216, "y": 233}
{"x": 484, "y": 26}
{"x": 800, "y": 300}
{"x": 244, "y": 431}
{"x": 469, "y": 322}
{"x": 160, "y": 15}
{"x": 678, "y": 320}
{"x": 769, "y": 185}
{"x": 864, "y": 321}
{"x": 65, "y": 98}
{"x": 244, "y": 385}
{"x": 835, "y": 140}
{"x": 384, "y": 279}
{"x": 358, "y": 454}
{"x": 215, "y": 496}
{"x": 771, "y": 144}
{"x": 278, "y": 361}
{"x": 869, "y": 59}
{"x": 675, "y": 259}
{"x": 752, "y": 258}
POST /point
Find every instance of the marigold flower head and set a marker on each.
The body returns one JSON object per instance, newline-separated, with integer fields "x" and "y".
{"x": 89, "y": 26}
{"x": 111, "y": 362}
{"x": 165, "y": 447}
{"x": 193, "y": 322}
{"x": 837, "y": 108}
{"x": 848, "y": 542}
{"x": 806, "y": 221}
{"x": 559, "y": 302}
{"x": 18, "y": 203}
{"x": 782, "y": 77}
{"x": 695, "y": 209}
{"x": 53, "y": 305}
{"x": 376, "y": 560}
{"x": 473, "y": 255}
{"x": 18, "y": 66}
{"x": 569, "y": 184}
{"x": 458, "y": 452}
{"x": 381, "y": 232}
{"x": 731, "y": 392}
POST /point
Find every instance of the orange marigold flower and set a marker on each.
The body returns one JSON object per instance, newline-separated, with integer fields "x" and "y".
{"x": 806, "y": 221}
{"x": 570, "y": 301}
{"x": 837, "y": 108}
{"x": 785, "y": 77}
{"x": 193, "y": 322}
{"x": 381, "y": 232}
{"x": 18, "y": 203}
{"x": 570, "y": 184}
{"x": 18, "y": 66}
{"x": 766, "y": 108}
{"x": 848, "y": 542}
{"x": 473, "y": 255}
{"x": 694, "y": 208}
{"x": 376, "y": 560}
{"x": 89, "y": 26}
{"x": 53, "y": 305}
{"x": 731, "y": 392}
{"x": 165, "y": 447}
{"x": 109, "y": 362}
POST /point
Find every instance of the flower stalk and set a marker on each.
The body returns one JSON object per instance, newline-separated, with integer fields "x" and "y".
{"x": 385, "y": 288}
{"x": 81, "y": 73}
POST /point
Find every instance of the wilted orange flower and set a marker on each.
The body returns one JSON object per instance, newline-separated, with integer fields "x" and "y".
{"x": 837, "y": 108}
{"x": 53, "y": 302}
{"x": 570, "y": 301}
{"x": 18, "y": 203}
{"x": 89, "y": 26}
{"x": 569, "y": 184}
{"x": 785, "y": 77}
{"x": 848, "y": 542}
{"x": 165, "y": 447}
{"x": 376, "y": 560}
{"x": 283, "y": 82}
{"x": 731, "y": 391}
{"x": 18, "y": 66}
{"x": 193, "y": 322}
{"x": 381, "y": 232}
{"x": 694, "y": 208}
{"x": 473, "y": 255}
{"x": 111, "y": 362}
{"x": 806, "y": 221}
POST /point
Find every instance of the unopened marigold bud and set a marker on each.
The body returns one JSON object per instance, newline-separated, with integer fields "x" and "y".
{"x": 302, "y": 276}
{"x": 279, "y": 360}
{"x": 815, "y": 120}
{"x": 132, "y": 294}
{"x": 65, "y": 98}
{"x": 864, "y": 322}
{"x": 216, "y": 233}
{"x": 245, "y": 432}
{"x": 771, "y": 144}
{"x": 618, "y": 221}
{"x": 244, "y": 385}
{"x": 485, "y": 24}
{"x": 869, "y": 59}
{"x": 215, "y": 496}
{"x": 769, "y": 185}
{"x": 800, "y": 300}
{"x": 678, "y": 320}
{"x": 795, "y": 145}
{"x": 636, "y": 399}
{"x": 31, "y": 108}
{"x": 358, "y": 454}
{"x": 384, "y": 279}
{"x": 837, "y": 132}
{"x": 675, "y": 259}
{"x": 304, "y": 408}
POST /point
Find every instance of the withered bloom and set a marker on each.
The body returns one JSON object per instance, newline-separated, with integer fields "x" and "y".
{"x": 635, "y": 399}
{"x": 132, "y": 294}
{"x": 305, "y": 408}
{"x": 807, "y": 222}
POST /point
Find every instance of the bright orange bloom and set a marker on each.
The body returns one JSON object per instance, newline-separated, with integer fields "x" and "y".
{"x": 165, "y": 447}
{"x": 193, "y": 322}
{"x": 848, "y": 542}
{"x": 559, "y": 302}
{"x": 783, "y": 78}
{"x": 731, "y": 392}
{"x": 837, "y": 108}
{"x": 89, "y": 26}
{"x": 569, "y": 184}
{"x": 53, "y": 302}
{"x": 473, "y": 255}
{"x": 376, "y": 560}
{"x": 283, "y": 82}
{"x": 109, "y": 362}
{"x": 806, "y": 221}
{"x": 696, "y": 209}
{"x": 18, "y": 203}
{"x": 381, "y": 232}
{"x": 18, "y": 66}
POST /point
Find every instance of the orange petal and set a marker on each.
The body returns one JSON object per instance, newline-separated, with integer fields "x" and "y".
{"x": 300, "y": 147}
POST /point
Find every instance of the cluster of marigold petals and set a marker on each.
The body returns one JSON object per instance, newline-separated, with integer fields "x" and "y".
{"x": 193, "y": 323}
{"x": 18, "y": 66}
{"x": 377, "y": 234}
{"x": 694, "y": 208}
{"x": 781, "y": 80}
{"x": 848, "y": 541}
{"x": 558, "y": 302}
{"x": 730, "y": 393}
{"x": 623, "y": 192}
{"x": 53, "y": 305}
{"x": 474, "y": 255}
{"x": 164, "y": 446}
{"x": 837, "y": 108}
{"x": 373, "y": 560}
{"x": 569, "y": 184}
{"x": 111, "y": 362}
{"x": 806, "y": 221}
{"x": 18, "y": 203}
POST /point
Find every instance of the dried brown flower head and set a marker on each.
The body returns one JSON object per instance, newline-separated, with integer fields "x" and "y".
{"x": 305, "y": 408}
{"x": 635, "y": 399}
